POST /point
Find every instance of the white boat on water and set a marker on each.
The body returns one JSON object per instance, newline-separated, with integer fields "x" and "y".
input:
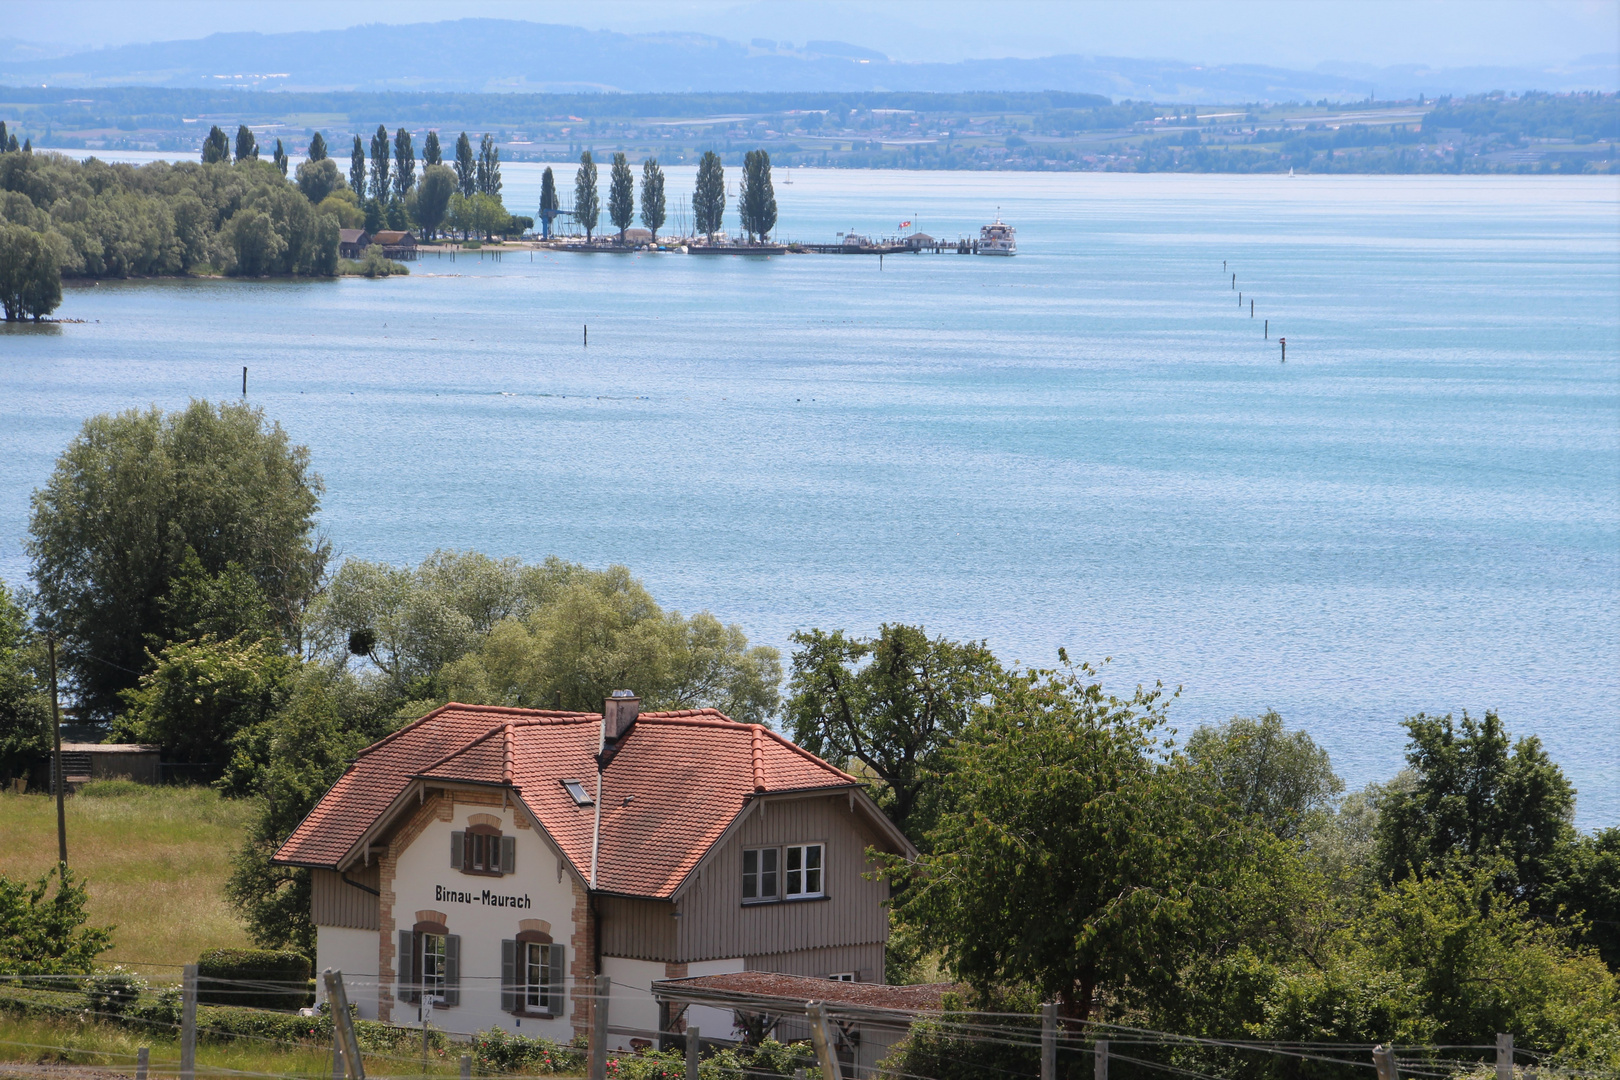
{"x": 998, "y": 239}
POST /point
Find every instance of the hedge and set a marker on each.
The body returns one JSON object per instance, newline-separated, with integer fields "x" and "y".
{"x": 274, "y": 980}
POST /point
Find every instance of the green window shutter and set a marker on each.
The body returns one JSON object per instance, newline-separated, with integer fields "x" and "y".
{"x": 509, "y": 976}
{"x": 557, "y": 992}
{"x": 407, "y": 966}
{"x": 508, "y": 854}
{"x": 458, "y": 845}
{"x": 452, "y": 969}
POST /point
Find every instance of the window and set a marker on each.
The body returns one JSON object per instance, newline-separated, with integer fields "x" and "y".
{"x": 432, "y": 978}
{"x": 532, "y": 976}
{"x": 483, "y": 850}
{"x": 843, "y": 976}
{"x": 429, "y": 963}
{"x": 577, "y": 792}
{"x": 803, "y": 870}
{"x": 760, "y": 874}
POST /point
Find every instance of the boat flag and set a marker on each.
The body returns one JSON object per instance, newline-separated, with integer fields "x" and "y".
{"x": 905, "y": 224}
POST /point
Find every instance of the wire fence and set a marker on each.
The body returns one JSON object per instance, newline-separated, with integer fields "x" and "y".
{"x": 1009, "y": 1044}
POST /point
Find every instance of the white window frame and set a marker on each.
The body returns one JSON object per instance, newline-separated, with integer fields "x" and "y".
{"x": 844, "y": 976}
{"x": 801, "y": 852}
{"x": 432, "y": 985}
{"x": 537, "y": 993}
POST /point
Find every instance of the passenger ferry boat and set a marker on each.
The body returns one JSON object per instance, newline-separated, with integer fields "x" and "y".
{"x": 998, "y": 239}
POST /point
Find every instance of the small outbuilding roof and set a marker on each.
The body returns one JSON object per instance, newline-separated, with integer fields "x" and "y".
{"x": 351, "y": 236}
{"x": 772, "y": 992}
{"x": 392, "y": 238}
{"x": 109, "y": 748}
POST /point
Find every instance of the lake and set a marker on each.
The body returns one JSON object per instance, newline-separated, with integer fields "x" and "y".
{"x": 1090, "y": 445}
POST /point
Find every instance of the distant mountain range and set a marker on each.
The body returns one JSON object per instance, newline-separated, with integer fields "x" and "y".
{"x": 492, "y": 55}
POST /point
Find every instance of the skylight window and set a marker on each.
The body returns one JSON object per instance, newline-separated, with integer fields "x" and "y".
{"x": 577, "y": 792}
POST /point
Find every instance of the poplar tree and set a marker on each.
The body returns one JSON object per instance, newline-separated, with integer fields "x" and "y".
{"x": 587, "y": 204}
{"x": 709, "y": 200}
{"x": 247, "y": 147}
{"x": 466, "y": 170}
{"x": 280, "y": 157}
{"x": 652, "y": 196}
{"x": 404, "y": 164}
{"x": 2, "y": 136}
{"x": 216, "y": 147}
{"x": 757, "y": 201}
{"x": 357, "y": 168}
{"x": 430, "y": 150}
{"x": 489, "y": 167}
{"x": 379, "y": 164}
{"x": 548, "y": 201}
{"x": 621, "y": 195}
{"x": 317, "y": 147}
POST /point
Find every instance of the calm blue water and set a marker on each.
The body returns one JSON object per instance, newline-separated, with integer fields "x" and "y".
{"x": 1089, "y": 445}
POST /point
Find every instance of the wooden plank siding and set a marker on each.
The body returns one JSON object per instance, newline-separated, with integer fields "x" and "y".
{"x": 866, "y": 961}
{"x": 334, "y": 902}
{"x": 715, "y": 924}
{"x": 638, "y": 929}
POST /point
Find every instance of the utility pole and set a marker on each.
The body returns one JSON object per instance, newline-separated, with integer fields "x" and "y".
{"x": 56, "y": 761}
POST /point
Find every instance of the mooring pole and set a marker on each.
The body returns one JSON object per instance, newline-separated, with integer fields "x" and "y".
{"x": 1284, "y": 343}
{"x": 244, "y": 380}
{"x": 56, "y": 763}
{"x": 587, "y": 332}
{"x": 1268, "y": 329}
{"x": 1251, "y": 309}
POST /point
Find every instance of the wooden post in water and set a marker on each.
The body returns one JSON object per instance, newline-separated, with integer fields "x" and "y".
{"x": 1284, "y": 343}
{"x": 587, "y": 333}
{"x": 1268, "y": 329}
{"x": 1234, "y": 281}
{"x": 1251, "y": 309}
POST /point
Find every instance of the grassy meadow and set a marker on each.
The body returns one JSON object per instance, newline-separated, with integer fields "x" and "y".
{"x": 154, "y": 859}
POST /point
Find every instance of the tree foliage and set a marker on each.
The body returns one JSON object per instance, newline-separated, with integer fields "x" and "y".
{"x": 404, "y": 164}
{"x": 621, "y": 195}
{"x": 357, "y": 168}
{"x": 709, "y": 198}
{"x": 489, "y": 167}
{"x": 44, "y": 932}
{"x": 318, "y": 178}
{"x": 431, "y": 154}
{"x": 30, "y": 272}
{"x": 1282, "y": 779}
{"x": 587, "y": 201}
{"x": 137, "y": 495}
{"x": 380, "y": 165}
{"x": 893, "y": 703}
{"x": 433, "y": 197}
{"x": 652, "y": 196}
{"x": 280, "y": 158}
{"x": 247, "y": 147}
{"x": 466, "y": 167}
{"x": 757, "y": 200}
{"x": 24, "y": 694}
{"x": 317, "y": 148}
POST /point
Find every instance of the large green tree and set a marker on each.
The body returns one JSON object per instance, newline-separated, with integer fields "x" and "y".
{"x": 280, "y": 158}
{"x": 466, "y": 167}
{"x": 431, "y": 154}
{"x": 247, "y": 147}
{"x": 30, "y": 272}
{"x": 893, "y": 704}
{"x": 489, "y": 167}
{"x": 433, "y": 197}
{"x": 133, "y": 498}
{"x": 652, "y": 196}
{"x": 1281, "y": 778}
{"x": 1585, "y": 882}
{"x": 217, "y": 147}
{"x": 318, "y": 178}
{"x": 621, "y": 195}
{"x": 404, "y": 164}
{"x": 357, "y": 168}
{"x": 709, "y": 197}
{"x": 757, "y": 201}
{"x": 317, "y": 147}
{"x": 24, "y": 701}
{"x": 1476, "y": 798}
{"x": 587, "y": 200}
{"x": 1076, "y": 853}
{"x": 380, "y": 165}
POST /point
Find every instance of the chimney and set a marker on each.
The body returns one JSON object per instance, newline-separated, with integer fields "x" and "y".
{"x": 618, "y": 713}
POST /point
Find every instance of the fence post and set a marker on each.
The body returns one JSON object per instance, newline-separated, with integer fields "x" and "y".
{"x": 817, "y": 1013}
{"x": 143, "y": 1058}
{"x": 188, "y": 1023}
{"x": 1384, "y": 1062}
{"x": 599, "y": 1028}
{"x": 1504, "y": 1056}
{"x": 337, "y": 1051}
{"x": 1049, "y": 1041}
{"x": 466, "y": 1067}
{"x": 337, "y": 999}
{"x": 1100, "y": 1070}
{"x": 693, "y": 1036}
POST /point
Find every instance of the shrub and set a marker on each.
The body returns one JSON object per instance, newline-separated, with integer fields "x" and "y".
{"x": 374, "y": 264}
{"x": 495, "y": 1053}
{"x": 255, "y": 978}
{"x": 113, "y": 992}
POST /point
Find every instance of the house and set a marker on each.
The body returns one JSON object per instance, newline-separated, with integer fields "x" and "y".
{"x": 396, "y": 244}
{"x": 867, "y": 1019}
{"x": 495, "y": 860}
{"x": 83, "y": 762}
{"x": 352, "y": 243}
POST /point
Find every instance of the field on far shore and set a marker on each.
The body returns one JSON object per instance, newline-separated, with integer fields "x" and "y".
{"x": 155, "y": 860}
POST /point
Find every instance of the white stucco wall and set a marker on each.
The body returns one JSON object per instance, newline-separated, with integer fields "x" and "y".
{"x": 633, "y": 1009}
{"x": 543, "y": 891}
{"x": 354, "y": 953}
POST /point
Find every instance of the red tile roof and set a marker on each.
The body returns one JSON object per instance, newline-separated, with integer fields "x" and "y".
{"x": 675, "y": 782}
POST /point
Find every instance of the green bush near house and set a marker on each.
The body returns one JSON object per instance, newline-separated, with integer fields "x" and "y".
{"x": 253, "y": 978}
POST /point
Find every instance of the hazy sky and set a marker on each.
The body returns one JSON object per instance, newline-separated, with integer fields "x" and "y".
{"x": 1288, "y": 33}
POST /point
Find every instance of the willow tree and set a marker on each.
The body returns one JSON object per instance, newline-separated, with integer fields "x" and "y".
{"x": 709, "y": 200}
{"x": 652, "y": 196}
{"x": 587, "y": 203}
